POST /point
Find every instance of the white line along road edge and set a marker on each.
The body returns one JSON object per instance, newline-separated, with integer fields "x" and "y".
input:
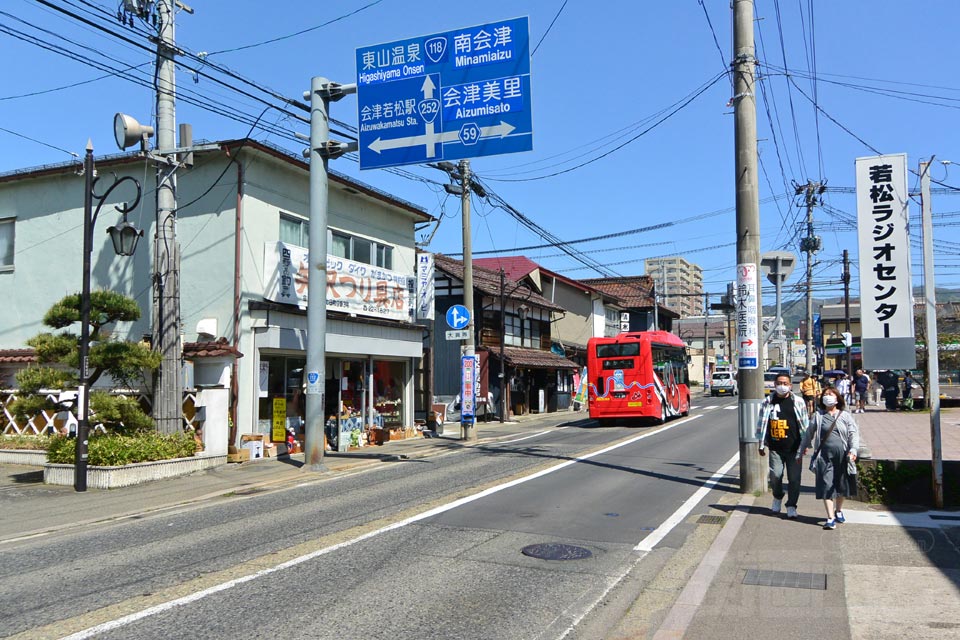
{"x": 199, "y": 595}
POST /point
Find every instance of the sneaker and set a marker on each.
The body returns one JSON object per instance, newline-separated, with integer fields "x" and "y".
{"x": 829, "y": 524}
{"x": 777, "y": 503}
{"x": 791, "y": 512}
{"x": 839, "y": 517}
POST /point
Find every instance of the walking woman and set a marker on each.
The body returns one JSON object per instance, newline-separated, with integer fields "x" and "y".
{"x": 836, "y": 438}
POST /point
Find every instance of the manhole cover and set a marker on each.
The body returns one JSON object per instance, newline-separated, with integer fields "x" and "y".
{"x": 705, "y": 519}
{"x": 790, "y": 579}
{"x": 556, "y": 551}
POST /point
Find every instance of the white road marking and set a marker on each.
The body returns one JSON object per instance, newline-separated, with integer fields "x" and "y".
{"x": 199, "y": 595}
{"x": 658, "y": 534}
{"x": 708, "y": 408}
{"x": 733, "y": 408}
{"x": 537, "y": 434}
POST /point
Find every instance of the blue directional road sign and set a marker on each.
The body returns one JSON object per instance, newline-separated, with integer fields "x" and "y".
{"x": 458, "y": 94}
{"x": 458, "y": 317}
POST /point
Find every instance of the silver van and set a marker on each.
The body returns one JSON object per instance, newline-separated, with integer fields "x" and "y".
{"x": 723, "y": 383}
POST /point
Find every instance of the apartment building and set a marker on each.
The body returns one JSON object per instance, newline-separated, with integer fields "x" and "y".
{"x": 679, "y": 284}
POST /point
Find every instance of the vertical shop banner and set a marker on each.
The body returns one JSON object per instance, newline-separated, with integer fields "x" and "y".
{"x": 468, "y": 375}
{"x": 352, "y": 287}
{"x": 886, "y": 296}
{"x": 425, "y": 286}
{"x": 279, "y": 431}
{"x": 748, "y": 332}
{"x": 264, "y": 382}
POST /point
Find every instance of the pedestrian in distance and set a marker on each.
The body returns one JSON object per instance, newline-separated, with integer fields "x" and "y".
{"x": 836, "y": 438}
{"x": 843, "y": 386}
{"x": 861, "y": 385}
{"x": 907, "y": 403}
{"x": 781, "y": 427}
{"x": 809, "y": 389}
{"x": 888, "y": 380}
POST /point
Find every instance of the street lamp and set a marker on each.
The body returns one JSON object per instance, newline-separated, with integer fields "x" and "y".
{"x": 124, "y": 237}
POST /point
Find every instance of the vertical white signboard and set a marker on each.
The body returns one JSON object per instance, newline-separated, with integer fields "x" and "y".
{"x": 425, "y": 286}
{"x": 886, "y": 296}
{"x": 748, "y": 333}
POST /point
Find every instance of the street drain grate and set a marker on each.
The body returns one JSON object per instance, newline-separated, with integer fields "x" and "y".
{"x": 711, "y": 519}
{"x": 790, "y": 579}
{"x": 556, "y": 551}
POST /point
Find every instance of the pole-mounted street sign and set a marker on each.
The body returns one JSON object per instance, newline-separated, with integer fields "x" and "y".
{"x": 459, "y": 94}
{"x": 458, "y": 317}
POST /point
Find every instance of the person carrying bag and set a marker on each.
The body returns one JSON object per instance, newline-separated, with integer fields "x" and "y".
{"x": 837, "y": 439}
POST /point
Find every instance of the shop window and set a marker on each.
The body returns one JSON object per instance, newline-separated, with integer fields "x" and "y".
{"x": 282, "y": 378}
{"x": 6, "y": 244}
{"x": 361, "y": 250}
{"x": 294, "y": 231}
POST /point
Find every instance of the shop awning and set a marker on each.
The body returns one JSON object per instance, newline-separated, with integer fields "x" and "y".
{"x": 533, "y": 358}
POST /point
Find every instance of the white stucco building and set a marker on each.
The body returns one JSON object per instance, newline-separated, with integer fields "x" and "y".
{"x": 242, "y": 229}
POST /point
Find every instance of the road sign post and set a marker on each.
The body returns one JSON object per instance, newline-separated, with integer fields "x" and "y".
{"x": 459, "y": 94}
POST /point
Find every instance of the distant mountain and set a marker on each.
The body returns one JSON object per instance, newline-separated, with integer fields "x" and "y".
{"x": 796, "y": 312}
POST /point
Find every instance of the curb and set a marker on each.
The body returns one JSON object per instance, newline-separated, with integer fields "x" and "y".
{"x": 685, "y": 607}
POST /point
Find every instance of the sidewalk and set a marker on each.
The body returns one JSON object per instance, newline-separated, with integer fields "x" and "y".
{"x": 31, "y": 507}
{"x": 882, "y": 574}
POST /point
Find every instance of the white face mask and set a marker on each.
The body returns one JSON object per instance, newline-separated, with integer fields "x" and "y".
{"x": 782, "y": 389}
{"x": 829, "y": 401}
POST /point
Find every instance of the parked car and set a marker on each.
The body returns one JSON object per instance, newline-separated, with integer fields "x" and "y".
{"x": 723, "y": 383}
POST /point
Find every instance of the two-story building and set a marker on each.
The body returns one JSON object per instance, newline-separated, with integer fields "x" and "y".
{"x": 513, "y": 337}
{"x": 242, "y": 227}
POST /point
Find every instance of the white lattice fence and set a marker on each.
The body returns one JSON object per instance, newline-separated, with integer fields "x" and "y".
{"x": 56, "y": 421}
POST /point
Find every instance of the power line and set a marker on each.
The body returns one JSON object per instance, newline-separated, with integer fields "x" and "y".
{"x": 549, "y": 27}
{"x": 296, "y": 33}
{"x": 623, "y": 144}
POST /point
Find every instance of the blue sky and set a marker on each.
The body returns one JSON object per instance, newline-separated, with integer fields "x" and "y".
{"x": 602, "y": 74}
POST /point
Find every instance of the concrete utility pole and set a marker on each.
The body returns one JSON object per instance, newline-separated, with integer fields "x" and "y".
{"x": 846, "y": 307}
{"x": 468, "y": 425}
{"x": 933, "y": 357}
{"x": 810, "y": 244}
{"x": 168, "y": 386}
{"x": 753, "y": 473}
{"x": 322, "y": 149}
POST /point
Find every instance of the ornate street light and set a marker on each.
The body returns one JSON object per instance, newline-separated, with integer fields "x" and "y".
{"x": 124, "y": 237}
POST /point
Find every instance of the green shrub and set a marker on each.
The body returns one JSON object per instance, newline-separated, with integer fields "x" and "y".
{"x": 112, "y": 450}
{"x": 32, "y": 443}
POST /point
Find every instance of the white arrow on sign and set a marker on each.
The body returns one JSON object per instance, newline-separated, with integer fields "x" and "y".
{"x": 427, "y": 89}
{"x": 430, "y": 138}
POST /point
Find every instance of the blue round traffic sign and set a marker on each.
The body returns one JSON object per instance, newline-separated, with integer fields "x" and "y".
{"x": 458, "y": 317}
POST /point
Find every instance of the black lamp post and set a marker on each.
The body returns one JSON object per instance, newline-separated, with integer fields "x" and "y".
{"x": 124, "y": 237}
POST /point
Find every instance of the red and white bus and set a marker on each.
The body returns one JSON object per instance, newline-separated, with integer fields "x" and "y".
{"x": 637, "y": 375}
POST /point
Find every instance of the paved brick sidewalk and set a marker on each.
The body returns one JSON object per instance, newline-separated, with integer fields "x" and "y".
{"x": 905, "y": 435}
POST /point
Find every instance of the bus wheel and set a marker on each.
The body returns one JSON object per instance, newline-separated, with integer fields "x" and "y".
{"x": 663, "y": 413}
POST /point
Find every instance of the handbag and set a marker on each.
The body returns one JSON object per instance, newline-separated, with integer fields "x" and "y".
{"x": 816, "y": 453}
{"x": 851, "y": 466}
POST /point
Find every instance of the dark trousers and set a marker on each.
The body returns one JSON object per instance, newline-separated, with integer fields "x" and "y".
{"x": 781, "y": 461}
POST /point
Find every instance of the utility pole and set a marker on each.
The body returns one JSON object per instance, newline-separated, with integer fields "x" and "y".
{"x": 168, "y": 388}
{"x": 753, "y": 474}
{"x": 933, "y": 359}
{"x": 503, "y": 339}
{"x": 322, "y": 149}
{"x": 810, "y": 244}
{"x": 846, "y": 307}
{"x": 468, "y": 424}
{"x": 706, "y": 342}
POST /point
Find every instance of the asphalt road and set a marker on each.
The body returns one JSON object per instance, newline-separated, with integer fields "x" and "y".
{"x": 428, "y": 548}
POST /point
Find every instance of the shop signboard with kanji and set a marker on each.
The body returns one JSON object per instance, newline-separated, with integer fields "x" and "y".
{"x": 352, "y": 287}
{"x": 748, "y": 331}
{"x": 886, "y": 296}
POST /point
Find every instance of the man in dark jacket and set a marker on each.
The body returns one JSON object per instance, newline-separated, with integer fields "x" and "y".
{"x": 782, "y": 424}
